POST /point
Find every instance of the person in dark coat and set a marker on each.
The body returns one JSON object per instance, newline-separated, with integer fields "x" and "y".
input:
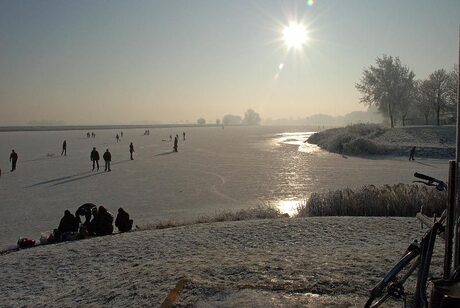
{"x": 69, "y": 223}
{"x": 131, "y": 150}
{"x": 123, "y": 223}
{"x": 68, "y": 228}
{"x": 412, "y": 154}
{"x": 175, "y": 144}
{"x": 107, "y": 159}
{"x": 117, "y": 137}
{"x": 13, "y": 160}
{"x": 95, "y": 158}
{"x": 102, "y": 223}
{"x": 64, "y": 148}
{"x": 85, "y": 210}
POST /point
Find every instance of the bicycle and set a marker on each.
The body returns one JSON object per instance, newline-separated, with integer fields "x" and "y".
{"x": 417, "y": 255}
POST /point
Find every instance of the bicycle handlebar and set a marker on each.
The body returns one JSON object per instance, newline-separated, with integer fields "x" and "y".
{"x": 440, "y": 185}
{"x": 425, "y": 177}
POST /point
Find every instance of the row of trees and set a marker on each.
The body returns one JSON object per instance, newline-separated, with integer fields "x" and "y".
{"x": 392, "y": 88}
{"x": 250, "y": 118}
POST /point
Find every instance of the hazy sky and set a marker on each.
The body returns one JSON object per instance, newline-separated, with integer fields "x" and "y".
{"x": 100, "y": 61}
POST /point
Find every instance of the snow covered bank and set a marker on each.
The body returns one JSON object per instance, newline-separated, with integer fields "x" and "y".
{"x": 281, "y": 262}
{"x": 365, "y": 139}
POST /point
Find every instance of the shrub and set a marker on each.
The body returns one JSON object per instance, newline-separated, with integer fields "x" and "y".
{"x": 396, "y": 200}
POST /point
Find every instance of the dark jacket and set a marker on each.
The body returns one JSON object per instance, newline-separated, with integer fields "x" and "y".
{"x": 107, "y": 156}
{"x": 123, "y": 223}
{"x": 69, "y": 223}
{"x": 85, "y": 210}
{"x": 14, "y": 156}
{"x": 102, "y": 223}
{"x": 94, "y": 155}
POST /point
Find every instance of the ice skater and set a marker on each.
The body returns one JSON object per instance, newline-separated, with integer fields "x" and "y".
{"x": 131, "y": 150}
{"x": 412, "y": 154}
{"x": 107, "y": 159}
{"x": 13, "y": 160}
{"x": 183, "y": 135}
{"x": 95, "y": 158}
{"x": 64, "y": 148}
{"x": 175, "y": 144}
{"x": 117, "y": 137}
{"x": 121, "y": 134}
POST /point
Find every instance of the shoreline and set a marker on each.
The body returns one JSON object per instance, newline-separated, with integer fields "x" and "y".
{"x": 292, "y": 262}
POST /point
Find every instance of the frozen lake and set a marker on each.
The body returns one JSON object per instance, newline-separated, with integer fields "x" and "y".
{"x": 215, "y": 169}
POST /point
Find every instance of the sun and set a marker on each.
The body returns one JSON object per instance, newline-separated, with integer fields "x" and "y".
{"x": 295, "y": 35}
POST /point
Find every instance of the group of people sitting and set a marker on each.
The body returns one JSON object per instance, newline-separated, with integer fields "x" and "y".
{"x": 98, "y": 221}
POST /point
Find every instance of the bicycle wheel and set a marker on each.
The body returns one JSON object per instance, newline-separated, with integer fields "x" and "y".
{"x": 392, "y": 285}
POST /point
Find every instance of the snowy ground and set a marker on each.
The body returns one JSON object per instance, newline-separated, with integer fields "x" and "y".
{"x": 215, "y": 169}
{"x": 313, "y": 262}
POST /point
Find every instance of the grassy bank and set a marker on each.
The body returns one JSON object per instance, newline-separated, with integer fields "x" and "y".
{"x": 373, "y": 139}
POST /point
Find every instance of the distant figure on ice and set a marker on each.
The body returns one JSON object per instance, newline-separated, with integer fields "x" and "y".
{"x": 64, "y": 148}
{"x": 123, "y": 223}
{"x": 170, "y": 137}
{"x": 175, "y": 144}
{"x": 121, "y": 134}
{"x": 95, "y": 158}
{"x": 13, "y": 160}
{"x": 88, "y": 135}
{"x": 183, "y": 135}
{"x": 412, "y": 154}
{"x": 102, "y": 223}
{"x": 107, "y": 159}
{"x": 85, "y": 210}
{"x": 117, "y": 137}
{"x": 131, "y": 150}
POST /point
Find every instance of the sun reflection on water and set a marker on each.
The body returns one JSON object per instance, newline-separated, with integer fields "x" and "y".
{"x": 288, "y": 206}
{"x": 298, "y": 139}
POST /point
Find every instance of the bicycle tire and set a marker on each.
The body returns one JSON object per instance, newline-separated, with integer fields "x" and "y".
{"x": 391, "y": 285}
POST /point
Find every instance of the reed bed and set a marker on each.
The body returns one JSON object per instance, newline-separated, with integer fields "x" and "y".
{"x": 396, "y": 200}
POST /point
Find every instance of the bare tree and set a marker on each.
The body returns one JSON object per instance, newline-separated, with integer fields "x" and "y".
{"x": 439, "y": 84}
{"x": 425, "y": 97}
{"x": 388, "y": 85}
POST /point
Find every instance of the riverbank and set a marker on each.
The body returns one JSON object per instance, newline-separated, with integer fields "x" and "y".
{"x": 372, "y": 139}
{"x": 314, "y": 261}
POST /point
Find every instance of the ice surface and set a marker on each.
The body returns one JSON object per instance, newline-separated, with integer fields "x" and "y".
{"x": 215, "y": 169}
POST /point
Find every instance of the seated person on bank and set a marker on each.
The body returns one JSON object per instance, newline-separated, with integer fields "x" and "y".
{"x": 85, "y": 210}
{"x": 67, "y": 227}
{"x": 123, "y": 223}
{"x": 102, "y": 223}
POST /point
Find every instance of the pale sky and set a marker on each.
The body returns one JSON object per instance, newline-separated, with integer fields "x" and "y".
{"x": 118, "y": 62}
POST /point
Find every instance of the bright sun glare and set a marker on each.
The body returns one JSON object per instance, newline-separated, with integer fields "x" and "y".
{"x": 295, "y": 35}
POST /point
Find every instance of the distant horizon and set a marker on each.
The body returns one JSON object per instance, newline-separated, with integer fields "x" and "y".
{"x": 38, "y": 123}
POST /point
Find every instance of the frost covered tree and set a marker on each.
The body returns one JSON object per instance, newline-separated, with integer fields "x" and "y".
{"x": 439, "y": 88}
{"x": 230, "y": 119}
{"x": 424, "y": 99}
{"x": 389, "y": 85}
{"x": 251, "y": 117}
{"x": 201, "y": 121}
